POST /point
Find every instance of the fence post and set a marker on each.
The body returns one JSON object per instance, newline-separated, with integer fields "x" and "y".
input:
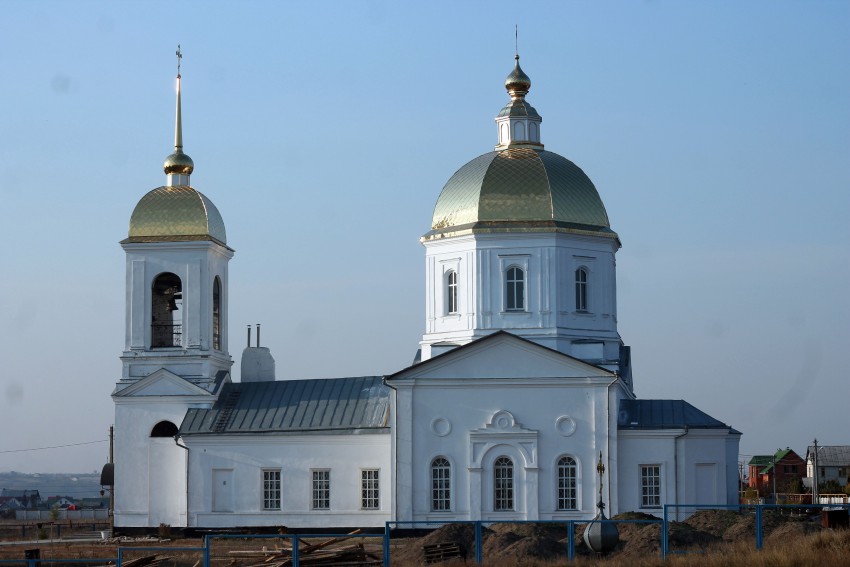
{"x": 479, "y": 555}
{"x": 386, "y": 544}
{"x": 758, "y": 527}
{"x": 664, "y": 528}
{"x": 207, "y": 543}
{"x": 571, "y": 540}
{"x": 296, "y": 561}
{"x": 120, "y": 560}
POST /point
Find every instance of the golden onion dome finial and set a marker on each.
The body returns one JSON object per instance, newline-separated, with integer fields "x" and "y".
{"x": 178, "y": 163}
{"x": 517, "y": 83}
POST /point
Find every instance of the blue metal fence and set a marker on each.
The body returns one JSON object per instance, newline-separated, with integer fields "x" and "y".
{"x": 756, "y": 509}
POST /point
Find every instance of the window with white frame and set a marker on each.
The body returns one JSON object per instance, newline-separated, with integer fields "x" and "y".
{"x": 441, "y": 479}
{"x": 451, "y": 292}
{"x": 271, "y": 489}
{"x": 514, "y": 289}
{"x": 503, "y": 484}
{"x": 321, "y": 489}
{"x": 581, "y": 289}
{"x": 370, "y": 491}
{"x": 567, "y": 473}
{"x": 650, "y": 486}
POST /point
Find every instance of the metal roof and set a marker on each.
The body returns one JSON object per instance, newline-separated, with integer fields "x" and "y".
{"x": 664, "y": 414}
{"x": 337, "y": 405}
{"x": 176, "y": 213}
{"x": 520, "y": 185}
{"x": 831, "y": 455}
{"x": 761, "y": 460}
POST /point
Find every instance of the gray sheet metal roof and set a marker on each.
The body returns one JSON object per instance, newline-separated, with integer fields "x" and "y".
{"x": 664, "y": 414}
{"x": 337, "y": 405}
{"x": 831, "y": 455}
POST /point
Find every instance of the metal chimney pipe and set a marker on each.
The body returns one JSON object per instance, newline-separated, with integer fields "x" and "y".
{"x": 249, "y": 336}
{"x": 258, "y": 335}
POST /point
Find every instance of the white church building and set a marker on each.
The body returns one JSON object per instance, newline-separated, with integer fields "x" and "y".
{"x": 522, "y": 382}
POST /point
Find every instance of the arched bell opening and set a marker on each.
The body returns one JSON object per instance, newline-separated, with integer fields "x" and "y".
{"x": 166, "y": 311}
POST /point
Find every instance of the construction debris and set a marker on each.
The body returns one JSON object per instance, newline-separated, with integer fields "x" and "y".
{"x": 319, "y": 553}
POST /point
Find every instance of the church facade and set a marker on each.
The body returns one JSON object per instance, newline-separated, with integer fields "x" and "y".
{"x": 521, "y": 385}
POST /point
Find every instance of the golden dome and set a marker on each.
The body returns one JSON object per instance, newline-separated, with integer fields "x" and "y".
{"x": 517, "y": 83}
{"x": 519, "y": 190}
{"x": 178, "y": 163}
{"x": 176, "y": 213}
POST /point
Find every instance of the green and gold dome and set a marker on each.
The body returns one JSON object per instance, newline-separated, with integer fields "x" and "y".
{"x": 520, "y": 187}
{"x": 176, "y": 212}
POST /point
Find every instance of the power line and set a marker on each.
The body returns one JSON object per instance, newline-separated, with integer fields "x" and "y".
{"x": 54, "y": 447}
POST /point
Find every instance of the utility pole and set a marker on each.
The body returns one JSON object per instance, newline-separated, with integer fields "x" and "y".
{"x": 112, "y": 488}
{"x": 815, "y": 499}
{"x": 774, "y": 478}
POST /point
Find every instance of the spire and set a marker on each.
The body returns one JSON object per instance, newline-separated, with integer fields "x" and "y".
{"x": 178, "y": 166}
{"x": 518, "y": 122}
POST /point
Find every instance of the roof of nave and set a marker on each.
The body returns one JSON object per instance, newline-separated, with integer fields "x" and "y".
{"x": 336, "y": 405}
{"x": 665, "y": 414}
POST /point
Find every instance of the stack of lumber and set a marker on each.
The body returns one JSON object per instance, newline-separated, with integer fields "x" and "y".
{"x": 439, "y": 552}
{"x": 326, "y": 553}
{"x": 146, "y": 561}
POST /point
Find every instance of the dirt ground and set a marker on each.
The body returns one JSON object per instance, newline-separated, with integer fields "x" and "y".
{"x": 508, "y": 544}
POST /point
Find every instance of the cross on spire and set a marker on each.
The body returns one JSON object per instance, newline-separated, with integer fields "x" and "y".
{"x": 179, "y": 57}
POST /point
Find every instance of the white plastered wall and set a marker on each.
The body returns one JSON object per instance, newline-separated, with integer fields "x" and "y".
{"x": 550, "y": 316}
{"x": 296, "y": 456}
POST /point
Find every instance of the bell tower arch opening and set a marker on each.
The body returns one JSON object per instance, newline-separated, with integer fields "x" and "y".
{"x": 216, "y": 314}
{"x": 166, "y": 311}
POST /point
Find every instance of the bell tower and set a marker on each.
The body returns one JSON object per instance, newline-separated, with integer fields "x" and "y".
{"x": 177, "y": 278}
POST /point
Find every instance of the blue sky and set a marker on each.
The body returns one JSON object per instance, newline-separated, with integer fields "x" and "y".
{"x": 717, "y": 133}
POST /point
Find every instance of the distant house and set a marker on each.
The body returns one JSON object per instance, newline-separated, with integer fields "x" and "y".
{"x": 785, "y": 467}
{"x": 92, "y": 503}
{"x": 833, "y": 463}
{"x": 29, "y": 499}
{"x": 59, "y": 502}
{"x": 10, "y": 503}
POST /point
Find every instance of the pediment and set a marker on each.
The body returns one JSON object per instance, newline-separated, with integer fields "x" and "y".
{"x": 502, "y": 355}
{"x": 162, "y": 383}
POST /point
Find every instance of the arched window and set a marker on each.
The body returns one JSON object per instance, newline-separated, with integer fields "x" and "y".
{"x": 581, "y": 289}
{"x": 514, "y": 289}
{"x": 519, "y": 131}
{"x": 166, "y": 313}
{"x": 503, "y": 484}
{"x": 441, "y": 477}
{"x": 451, "y": 292}
{"x": 503, "y": 134}
{"x": 567, "y": 471}
{"x": 217, "y": 313}
{"x": 164, "y": 429}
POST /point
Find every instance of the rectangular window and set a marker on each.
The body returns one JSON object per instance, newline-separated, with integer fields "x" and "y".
{"x": 271, "y": 489}
{"x": 321, "y": 490}
{"x": 515, "y": 289}
{"x": 650, "y": 486}
{"x": 370, "y": 493}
